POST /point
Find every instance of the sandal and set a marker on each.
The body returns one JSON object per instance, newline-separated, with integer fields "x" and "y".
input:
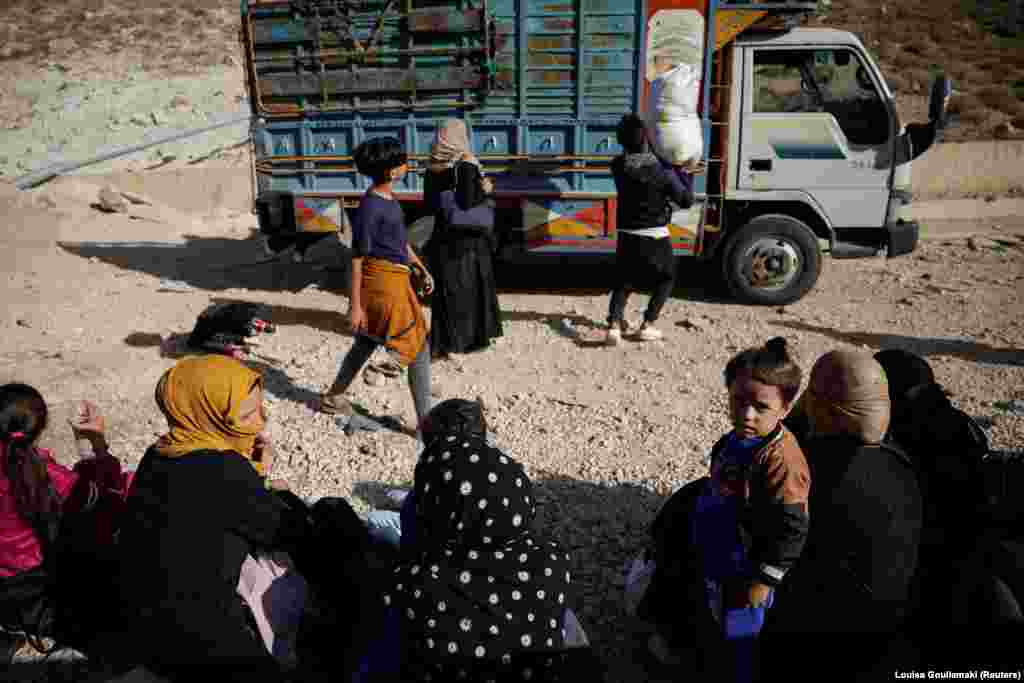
{"x": 335, "y": 404}
{"x": 388, "y": 368}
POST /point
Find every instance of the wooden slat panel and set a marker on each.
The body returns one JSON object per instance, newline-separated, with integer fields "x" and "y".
{"x": 443, "y": 20}
{"x": 370, "y": 81}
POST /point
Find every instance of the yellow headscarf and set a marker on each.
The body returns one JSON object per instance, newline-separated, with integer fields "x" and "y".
{"x": 847, "y": 394}
{"x": 201, "y": 397}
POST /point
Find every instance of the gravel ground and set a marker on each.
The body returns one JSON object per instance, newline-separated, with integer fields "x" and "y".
{"x": 606, "y": 433}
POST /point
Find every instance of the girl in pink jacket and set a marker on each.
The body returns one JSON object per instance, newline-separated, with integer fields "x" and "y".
{"x": 48, "y": 510}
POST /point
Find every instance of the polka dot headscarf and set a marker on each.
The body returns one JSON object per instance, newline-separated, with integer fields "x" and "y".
{"x": 479, "y": 585}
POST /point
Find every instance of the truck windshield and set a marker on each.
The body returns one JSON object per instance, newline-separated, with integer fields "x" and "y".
{"x": 835, "y": 81}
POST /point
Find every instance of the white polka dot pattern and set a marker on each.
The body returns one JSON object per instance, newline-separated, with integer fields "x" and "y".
{"x": 487, "y": 588}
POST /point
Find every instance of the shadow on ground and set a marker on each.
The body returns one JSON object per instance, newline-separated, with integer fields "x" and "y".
{"x": 218, "y": 263}
{"x": 587, "y": 276}
{"x": 954, "y": 348}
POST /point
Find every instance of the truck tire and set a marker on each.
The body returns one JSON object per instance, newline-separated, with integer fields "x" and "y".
{"x": 772, "y": 260}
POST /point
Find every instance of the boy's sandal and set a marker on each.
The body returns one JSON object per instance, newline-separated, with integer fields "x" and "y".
{"x": 388, "y": 368}
{"x": 335, "y": 405}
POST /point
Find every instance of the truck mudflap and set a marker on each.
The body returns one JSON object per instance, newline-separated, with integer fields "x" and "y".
{"x": 902, "y": 237}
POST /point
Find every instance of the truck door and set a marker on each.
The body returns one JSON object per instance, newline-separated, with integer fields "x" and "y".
{"x": 814, "y": 120}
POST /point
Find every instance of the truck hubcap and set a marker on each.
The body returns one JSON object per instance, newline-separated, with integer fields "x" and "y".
{"x": 771, "y": 263}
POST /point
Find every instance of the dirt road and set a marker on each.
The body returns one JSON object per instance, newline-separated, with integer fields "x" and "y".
{"x": 606, "y": 433}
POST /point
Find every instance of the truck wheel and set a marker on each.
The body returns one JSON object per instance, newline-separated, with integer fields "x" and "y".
{"x": 420, "y": 232}
{"x": 772, "y": 260}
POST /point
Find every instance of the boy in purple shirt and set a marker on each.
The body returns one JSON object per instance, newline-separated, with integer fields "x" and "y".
{"x": 383, "y": 308}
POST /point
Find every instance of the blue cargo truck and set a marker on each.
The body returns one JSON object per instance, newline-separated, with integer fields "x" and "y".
{"x": 804, "y": 153}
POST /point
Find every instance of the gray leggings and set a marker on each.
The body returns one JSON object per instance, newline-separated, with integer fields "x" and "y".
{"x": 419, "y": 373}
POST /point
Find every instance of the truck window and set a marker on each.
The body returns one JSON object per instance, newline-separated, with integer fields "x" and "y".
{"x": 833, "y": 81}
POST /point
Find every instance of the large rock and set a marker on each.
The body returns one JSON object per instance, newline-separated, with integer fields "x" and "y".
{"x": 180, "y": 102}
{"x": 112, "y": 200}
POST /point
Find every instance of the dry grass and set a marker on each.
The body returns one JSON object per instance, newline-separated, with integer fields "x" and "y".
{"x": 191, "y": 35}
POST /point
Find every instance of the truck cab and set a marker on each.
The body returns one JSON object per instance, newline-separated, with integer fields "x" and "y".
{"x": 816, "y": 161}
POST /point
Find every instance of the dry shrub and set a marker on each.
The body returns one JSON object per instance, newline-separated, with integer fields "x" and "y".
{"x": 905, "y": 60}
{"x": 999, "y": 98}
{"x": 976, "y": 116}
{"x": 150, "y": 35}
{"x": 960, "y": 104}
{"x": 969, "y": 108}
{"x": 898, "y": 82}
{"x": 920, "y": 47}
{"x": 1004, "y": 72}
{"x": 192, "y": 26}
{"x": 967, "y": 76}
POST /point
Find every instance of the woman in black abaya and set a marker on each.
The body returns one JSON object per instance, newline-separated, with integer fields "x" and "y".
{"x": 465, "y": 312}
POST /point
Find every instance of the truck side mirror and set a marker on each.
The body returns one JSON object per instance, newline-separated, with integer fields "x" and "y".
{"x": 942, "y": 88}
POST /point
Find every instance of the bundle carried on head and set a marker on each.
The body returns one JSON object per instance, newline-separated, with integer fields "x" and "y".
{"x": 230, "y": 328}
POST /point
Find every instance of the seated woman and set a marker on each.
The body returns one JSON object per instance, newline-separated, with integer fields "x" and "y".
{"x": 465, "y": 311}
{"x": 197, "y": 509}
{"x": 477, "y": 596}
{"x": 946, "y": 445}
{"x": 847, "y": 596}
{"x": 48, "y": 511}
{"x": 971, "y": 568}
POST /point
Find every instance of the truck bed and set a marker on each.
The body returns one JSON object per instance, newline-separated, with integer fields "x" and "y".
{"x": 541, "y": 83}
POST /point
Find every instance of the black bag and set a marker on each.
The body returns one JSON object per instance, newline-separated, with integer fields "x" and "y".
{"x": 479, "y": 218}
{"x": 229, "y": 324}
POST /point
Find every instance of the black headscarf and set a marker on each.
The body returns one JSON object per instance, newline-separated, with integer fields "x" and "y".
{"x": 904, "y": 371}
{"x": 478, "y": 587}
{"x": 947, "y": 446}
{"x": 454, "y": 417}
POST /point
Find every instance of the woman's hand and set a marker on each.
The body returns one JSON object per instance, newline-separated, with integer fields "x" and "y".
{"x": 90, "y": 425}
{"x": 357, "y": 318}
{"x": 428, "y": 282}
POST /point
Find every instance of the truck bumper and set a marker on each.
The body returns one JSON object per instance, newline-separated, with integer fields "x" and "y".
{"x": 902, "y": 237}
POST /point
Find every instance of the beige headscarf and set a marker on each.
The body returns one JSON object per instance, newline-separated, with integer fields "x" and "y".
{"x": 201, "y": 397}
{"x": 847, "y": 394}
{"x": 451, "y": 145}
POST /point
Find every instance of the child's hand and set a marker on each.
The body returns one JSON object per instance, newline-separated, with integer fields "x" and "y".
{"x": 89, "y": 425}
{"x": 757, "y": 594}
